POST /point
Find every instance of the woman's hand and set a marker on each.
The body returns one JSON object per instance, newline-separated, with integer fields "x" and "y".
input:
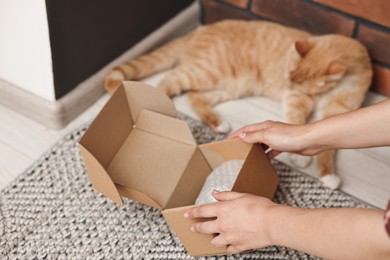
{"x": 245, "y": 222}
{"x": 362, "y": 128}
{"x": 241, "y": 221}
{"x": 278, "y": 136}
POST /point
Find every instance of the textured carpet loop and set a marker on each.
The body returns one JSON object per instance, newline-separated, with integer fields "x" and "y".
{"x": 53, "y": 212}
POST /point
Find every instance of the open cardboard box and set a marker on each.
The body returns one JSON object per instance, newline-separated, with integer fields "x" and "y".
{"x": 138, "y": 149}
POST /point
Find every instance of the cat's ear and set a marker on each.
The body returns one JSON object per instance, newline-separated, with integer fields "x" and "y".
{"x": 335, "y": 71}
{"x": 303, "y": 47}
{"x": 298, "y": 50}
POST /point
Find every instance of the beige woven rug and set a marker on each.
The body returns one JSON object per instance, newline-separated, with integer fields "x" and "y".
{"x": 52, "y": 212}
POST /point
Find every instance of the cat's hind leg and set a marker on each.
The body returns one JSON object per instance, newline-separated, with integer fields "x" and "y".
{"x": 203, "y": 102}
{"x": 345, "y": 98}
{"x": 326, "y": 166}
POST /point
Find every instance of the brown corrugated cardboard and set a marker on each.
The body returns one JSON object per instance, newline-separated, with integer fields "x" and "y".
{"x": 137, "y": 148}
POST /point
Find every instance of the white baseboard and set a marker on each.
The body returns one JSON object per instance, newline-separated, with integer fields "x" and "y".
{"x": 58, "y": 114}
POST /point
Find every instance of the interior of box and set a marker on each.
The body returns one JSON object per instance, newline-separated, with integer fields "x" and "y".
{"x": 160, "y": 158}
{"x": 170, "y": 171}
{"x": 256, "y": 176}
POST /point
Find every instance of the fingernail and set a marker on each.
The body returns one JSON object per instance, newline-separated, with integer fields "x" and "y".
{"x": 242, "y": 135}
{"x": 186, "y": 215}
{"x": 192, "y": 228}
{"x": 215, "y": 191}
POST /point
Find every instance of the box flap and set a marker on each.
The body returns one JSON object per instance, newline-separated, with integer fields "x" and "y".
{"x": 191, "y": 181}
{"x": 257, "y": 176}
{"x": 137, "y": 196}
{"x": 196, "y": 244}
{"x": 110, "y": 128}
{"x": 151, "y": 164}
{"x": 99, "y": 177}
{"x": 165, "y": 126}
{"x": 213, "y": 158}
{"x": 143, "y": 96}
{"x": 220, "y": 151}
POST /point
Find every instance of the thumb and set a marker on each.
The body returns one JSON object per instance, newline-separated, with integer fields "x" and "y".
{"x": 226, "y": 195}
{"x": 251, "y": 137}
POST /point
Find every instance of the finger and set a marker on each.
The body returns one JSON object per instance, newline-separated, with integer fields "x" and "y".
{"x": 219, "y": 241}
{"x": 205, "y": 211}
{"x": 252, "y": 137}
{"x": 247, "y": 128}
{"x": 207, "y": 227}
{"x": 272, "y": 153}
{"x": 234, "y": 134}
{"x": 231, "y": 249}
{"x": 226, "y": 195}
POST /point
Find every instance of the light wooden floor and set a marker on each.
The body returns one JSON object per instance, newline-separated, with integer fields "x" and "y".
{"x": 365, "y": 173}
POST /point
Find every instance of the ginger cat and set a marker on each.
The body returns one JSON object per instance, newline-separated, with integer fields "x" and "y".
{"x": 327, "y": 74}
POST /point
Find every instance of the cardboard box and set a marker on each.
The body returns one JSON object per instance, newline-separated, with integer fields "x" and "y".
{"x": 138, "y": 149}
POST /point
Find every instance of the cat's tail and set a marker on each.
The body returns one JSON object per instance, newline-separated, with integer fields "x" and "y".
{"x": 158, "y": 60}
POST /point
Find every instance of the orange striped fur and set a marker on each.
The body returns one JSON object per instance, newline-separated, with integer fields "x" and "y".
{"x": 231, "y": 59}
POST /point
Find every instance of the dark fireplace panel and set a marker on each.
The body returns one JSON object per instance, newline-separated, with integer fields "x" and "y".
{"x": 86, "y": 35}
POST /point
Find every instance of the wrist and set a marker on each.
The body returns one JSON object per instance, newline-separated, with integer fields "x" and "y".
{"x": 275, "y": 225}
{"x": 282, "y": 225}
{"x": 310, "y": 139}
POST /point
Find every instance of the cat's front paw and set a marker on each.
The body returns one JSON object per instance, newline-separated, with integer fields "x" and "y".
{"x": 331, "y": 181}
{"x": 222, "y": 128}
{"x": 170, "y": 89}
{"x": 300, "y": 161}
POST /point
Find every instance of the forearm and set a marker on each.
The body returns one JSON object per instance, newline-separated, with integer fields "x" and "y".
{"x": 366, "y": 127}
{"x": 331, "y": 233}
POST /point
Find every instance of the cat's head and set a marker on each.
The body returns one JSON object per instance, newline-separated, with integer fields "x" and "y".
{"x": 313, "y": 67}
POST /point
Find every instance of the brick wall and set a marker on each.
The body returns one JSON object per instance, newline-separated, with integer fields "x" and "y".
{"x": 367, "y": 21}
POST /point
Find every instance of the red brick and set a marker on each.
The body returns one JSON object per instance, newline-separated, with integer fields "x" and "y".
{"x": 377, "y": 11}
{"x": 303, "y": 15}
{"x": 240, "y": 3}
{"x": 377, "y": 42}
{"x": 381, "y": 81}
{"x": 214, "y": 12}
